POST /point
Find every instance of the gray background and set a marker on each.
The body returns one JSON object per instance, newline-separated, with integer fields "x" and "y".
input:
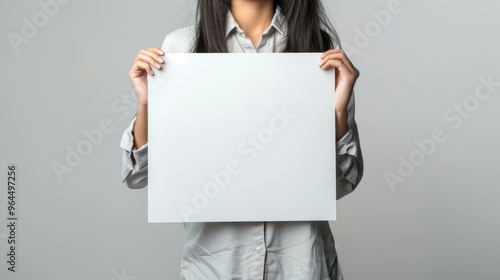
{"x": 440, "y": 223}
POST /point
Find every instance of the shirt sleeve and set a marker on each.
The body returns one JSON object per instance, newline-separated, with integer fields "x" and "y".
{"x": 349, "y": 156}
{"x": 134, "y": 175}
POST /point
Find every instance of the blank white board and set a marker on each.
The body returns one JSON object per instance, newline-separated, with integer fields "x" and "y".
{"x": 241, "y": 137}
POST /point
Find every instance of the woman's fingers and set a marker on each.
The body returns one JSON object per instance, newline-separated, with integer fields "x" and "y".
{"x": 158, "y": 51}
{"x": 338, "y": 55}
{"x": 145, "y": 66}
{"x": 154, "y": 53}
{"x": 145, "y": 60}
{"x": 149, "y": 59}
{"x": 340, "y": 65}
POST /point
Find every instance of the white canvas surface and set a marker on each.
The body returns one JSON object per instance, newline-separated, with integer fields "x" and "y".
{"x": 241, "y": 137}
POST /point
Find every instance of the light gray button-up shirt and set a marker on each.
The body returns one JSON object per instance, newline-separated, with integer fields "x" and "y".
{"x": 255, "y": 250}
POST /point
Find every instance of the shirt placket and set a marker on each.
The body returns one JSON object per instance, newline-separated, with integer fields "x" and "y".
{"x": 257, "y": 268}
{"x": 245, "y": 43}
{"x": 266, "y": 44}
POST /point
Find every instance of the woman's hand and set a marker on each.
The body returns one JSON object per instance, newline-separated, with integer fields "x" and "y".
{"x": 139, "y": 78}
{"x": 345, "y": 76}
{"x": 138, "y": 74}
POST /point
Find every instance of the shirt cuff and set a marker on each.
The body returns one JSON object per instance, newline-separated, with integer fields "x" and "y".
{"x": 140, "y": 155}
{"x": 347, "y": 151}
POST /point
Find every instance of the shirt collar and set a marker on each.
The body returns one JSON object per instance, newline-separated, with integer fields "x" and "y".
{"x": 278, "y": 22}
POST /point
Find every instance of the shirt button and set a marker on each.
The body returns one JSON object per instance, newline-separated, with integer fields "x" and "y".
{"x": 258, "y": 249}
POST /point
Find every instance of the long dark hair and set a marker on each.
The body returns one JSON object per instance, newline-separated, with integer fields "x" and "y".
{"x": 309, "y": 29}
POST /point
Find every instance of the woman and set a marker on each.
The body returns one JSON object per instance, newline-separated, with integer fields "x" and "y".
{"x": 256, "y": 250}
